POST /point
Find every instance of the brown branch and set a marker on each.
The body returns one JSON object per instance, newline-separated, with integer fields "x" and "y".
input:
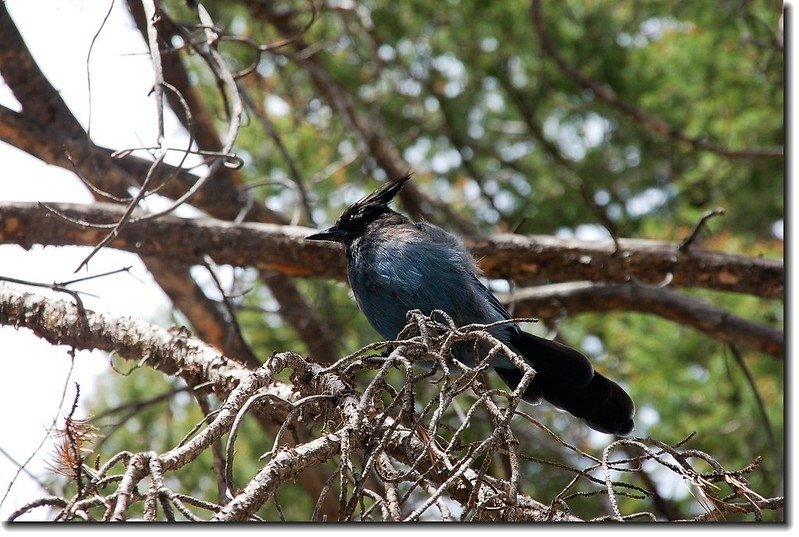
{"x": 552, "y": 301}
{"x": 540, "y": 258}
{"x": 29, "y": 85}
{"x": 690, "y": 239}
{"x": 640, "y": 116}
{"x": 523, "y": 259}
{"x": 115, "y": 175}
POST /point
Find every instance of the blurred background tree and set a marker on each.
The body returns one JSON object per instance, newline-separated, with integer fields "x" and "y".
{"x": 588, "y": 120}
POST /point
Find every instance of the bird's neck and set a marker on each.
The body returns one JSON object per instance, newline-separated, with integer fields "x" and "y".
{"x": 387, "y": 219}
{"x": 377, "y": 230}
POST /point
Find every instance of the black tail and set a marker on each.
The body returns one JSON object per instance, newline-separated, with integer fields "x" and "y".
{"x": 565, "y": 378}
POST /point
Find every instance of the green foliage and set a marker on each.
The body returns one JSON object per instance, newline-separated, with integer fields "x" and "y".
{"x": 494, "y": 127}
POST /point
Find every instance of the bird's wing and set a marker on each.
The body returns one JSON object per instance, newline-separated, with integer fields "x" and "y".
{"x": 442, "y": 259}
{"x": 422, "y": 275}
{"x": 492, "y": 300}
{"x": 439, "y": 236}
{"x": 420, "y": 266}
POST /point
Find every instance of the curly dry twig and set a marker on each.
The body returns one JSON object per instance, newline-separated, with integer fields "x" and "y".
{"x": 360, "y": 431}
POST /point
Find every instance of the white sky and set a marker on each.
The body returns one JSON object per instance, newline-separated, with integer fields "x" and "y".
{"x": 32, "y": 372}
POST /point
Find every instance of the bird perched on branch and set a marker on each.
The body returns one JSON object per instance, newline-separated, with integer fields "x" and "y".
{"x": 395, "y": 265}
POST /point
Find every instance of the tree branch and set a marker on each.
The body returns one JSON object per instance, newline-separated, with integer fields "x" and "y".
{"x": 551, "y": 301}
{"x": 173, "y": 352}
{"x": 113, "y": 172}
{"x": 537, "y": 258}
{"x": 523, "y": 259}
{"x": 29, "y": 85}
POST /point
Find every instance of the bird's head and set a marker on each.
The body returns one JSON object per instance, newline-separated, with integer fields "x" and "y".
{"x": 353, "y": 221}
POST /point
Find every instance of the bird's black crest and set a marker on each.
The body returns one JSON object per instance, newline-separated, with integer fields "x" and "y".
{"x": 373, "y": 205}
{"x": 384, "y": 196}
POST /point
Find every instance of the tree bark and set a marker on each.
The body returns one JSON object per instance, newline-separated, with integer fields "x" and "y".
{"x": 523, "y": 259}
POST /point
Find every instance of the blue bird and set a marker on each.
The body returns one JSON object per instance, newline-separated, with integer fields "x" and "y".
{"x": 395, "y": 265}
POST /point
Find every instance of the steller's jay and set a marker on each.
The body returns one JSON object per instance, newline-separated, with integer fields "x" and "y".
{"x": 395, "y": 265}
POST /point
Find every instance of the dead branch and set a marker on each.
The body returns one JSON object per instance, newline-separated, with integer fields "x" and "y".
{"x": 54, "y": 135}
{"x": 229, "y": 183}
{"x": 369, "y": 440}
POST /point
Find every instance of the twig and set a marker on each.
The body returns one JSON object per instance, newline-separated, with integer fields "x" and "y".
{"x": 761, "y": 405}
{"x": 689, "y": 240}
{"x": 242, "y": 345}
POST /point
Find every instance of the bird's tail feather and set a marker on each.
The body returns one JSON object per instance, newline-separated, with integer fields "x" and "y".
{"x": 553, "y": 359}
{"x": 566, "y": 379}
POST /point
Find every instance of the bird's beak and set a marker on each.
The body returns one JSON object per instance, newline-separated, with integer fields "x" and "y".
{"x": 332, "y": 234}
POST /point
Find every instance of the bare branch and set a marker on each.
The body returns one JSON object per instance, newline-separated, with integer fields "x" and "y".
{"x": 229, "y": 185}
{"x": 369, "y": 427}
{"x": 689, "y": 240}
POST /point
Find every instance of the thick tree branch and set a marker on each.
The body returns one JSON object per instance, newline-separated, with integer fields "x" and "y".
{"x": 523, "y": 259}
{"x": 527, "y": 259}
{"x": 29, "y": 85}
{"x": 552, "y": 301}
{"x": 171, "y": 351}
